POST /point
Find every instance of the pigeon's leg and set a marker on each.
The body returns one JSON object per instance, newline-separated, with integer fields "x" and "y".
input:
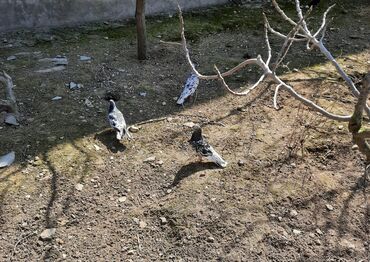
{"x": 195, "y": 96}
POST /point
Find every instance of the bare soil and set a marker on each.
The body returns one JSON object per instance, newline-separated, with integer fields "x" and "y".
{"x": 294, "y": 188}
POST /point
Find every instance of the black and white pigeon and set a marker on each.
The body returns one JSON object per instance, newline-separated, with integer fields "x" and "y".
{"x": 202, "y": 147}
{"x": 189, "y": 89}
{"x": 117, "y": 121}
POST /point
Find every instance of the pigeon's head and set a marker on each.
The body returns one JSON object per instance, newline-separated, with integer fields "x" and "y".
{"x": 197, "y": 134}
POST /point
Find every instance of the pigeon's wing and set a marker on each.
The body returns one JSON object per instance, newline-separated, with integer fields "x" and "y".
{"x": 189, "y": 88}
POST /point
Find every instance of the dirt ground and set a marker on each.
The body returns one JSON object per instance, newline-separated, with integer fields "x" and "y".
{"x": 294, "y": 188}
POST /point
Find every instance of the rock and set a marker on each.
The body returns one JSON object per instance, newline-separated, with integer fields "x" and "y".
{"x": 85, "y": 58}
{"x": 293, "y": 213}
{"x": 134, "y": 129}
{"x": 122, "y": 199}
{"x": 130, "y": 252}
{"x": 7, "y": 160}
{"x": 88, "y": 103}
{"x": 318, "y": 231}
{"x": 79, "y": 187}
{"x": 48, "y": 234}
{"x": 52, "y": 69}
{"x": 210, "y": 239}
{"x": 241, "y": 162}
{"x": 136, "y": 220}
{"x": 318, "y": 242}
{"x": 296, "y": 231}
{"x": 73, "y": 85}
{"x": 57, "y": 61}
{"x": 143, "y": 94}
{"x": 329, "y": 207}
{"x": 149, "y": 159}
{"x": 164, "y": 103}
{"x": 163, "y": 220}
{"x": 97, "y": 148}
{"x": 355, "y": 147}
{"x": 142, "y": 224}
{"x": 340, "y": 127}
{"x": 11, "y": 58}
{"x": 189, "y": 124}
{"x": 10, "y": 119}
{"x": 56, "y": 98}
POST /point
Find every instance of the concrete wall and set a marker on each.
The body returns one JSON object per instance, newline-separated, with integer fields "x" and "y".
{"x": 15, "y": 14}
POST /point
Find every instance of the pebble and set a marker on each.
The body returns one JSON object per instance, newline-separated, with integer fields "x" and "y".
{"x": 241, "y": 162}
{"x": 10, "y": 119}
{"x": 340, "y": 127}
{"x": 143, "y": 94}
{"x": 122, "y": 199}
{"x": 88, "y": 103}
{"x": 149, "y": 159}
{"x": 85, "y": 58}
{"x": 355, "y": 147}
{"x": 142, "y": 224}
{"x": 329, "y": 207}
{"x": 189, "y": 124}
{"x": 130, "y": 252}
{"x": 318, "y": 231}
{"x": 134, "y": 129}
{"x": 56, "y": 98}
{"x": 48, "y": 233}
{"x": 79, "y": 187}
{"x": 164, "y": 103}
{"x": 293, "y": 213}
{"x": 163, "y": 220}
{"x": 11, "y": 58}
{"x": 296, "y": 231}
{"x": 210, "y": 239}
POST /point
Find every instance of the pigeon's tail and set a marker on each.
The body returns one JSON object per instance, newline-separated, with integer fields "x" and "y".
{"x": 181, "y": 100}
{"x": 216, "y": 158}
{"x": 120, "y": 134}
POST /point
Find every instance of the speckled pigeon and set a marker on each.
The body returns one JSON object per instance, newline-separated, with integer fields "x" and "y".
{"x": 202, "y": 147}
{"x": 189, "y": 88}
{"x": 117, "y": 121}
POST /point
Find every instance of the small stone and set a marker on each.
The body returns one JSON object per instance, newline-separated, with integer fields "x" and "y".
{"x": 189, "y": 124}
{"x": 293, "y": 213}
{"x": 142, "y": 224}
{"x": 280, "y": 219}
{"x": 149, "y": 159}
{"x": 47, "y": 234}
{"x": 64, "y": 256}
{"x": 130, "y": 252}
{"x": 329, "y": 207}
{"x": 11, "y": 58}
{"x": 97, "y": 148}
{"x": 163, "y": 220}
{"x": 143, "y": 94}
{"x": 85, "y": 58}
{"x": 136, "y": 220}
{"x": 241, "y": 162}
{"x": 72, "y": 85}
{"x": 10, "y": 119}
{"x": 169, "y": 119}
{"x": 122, "y": 199}
{"x": 295, "y": 70}
{"x": 340, "y": 127}
{"x": 169, "y": 191}
{"x": 56, "y": 98}
{"x": 210, "y": 239}
{"x": 88, "y": 103}
{"x": 296, "y": 232}
{"x": 164, "y": 103}
{"x": 318, "y": 242}
{"x": 134, "y": 129}
{"x": 355, "y": 147}
{"x": 79, "y": 187}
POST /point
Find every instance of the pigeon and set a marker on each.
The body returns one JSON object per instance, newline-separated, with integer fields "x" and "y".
{"x": 189, "y": 88}
{"x": 202, "y": 147}
{"x": 117, "y": 121}
{"x": 314, "y": 3}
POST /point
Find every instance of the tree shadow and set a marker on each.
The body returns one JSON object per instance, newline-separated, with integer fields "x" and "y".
{"x": 108, "y": 138}
{"x": 191, "y": 169}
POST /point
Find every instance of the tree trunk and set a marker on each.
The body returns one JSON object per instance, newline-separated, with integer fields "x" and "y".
{"x": 141, "y": 29}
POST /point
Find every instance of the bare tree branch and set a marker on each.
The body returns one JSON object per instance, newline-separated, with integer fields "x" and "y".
{"x": 324, "y": 23}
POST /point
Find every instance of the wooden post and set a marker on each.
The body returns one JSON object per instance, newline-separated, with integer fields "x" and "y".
{"x": 141, "y": 29}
